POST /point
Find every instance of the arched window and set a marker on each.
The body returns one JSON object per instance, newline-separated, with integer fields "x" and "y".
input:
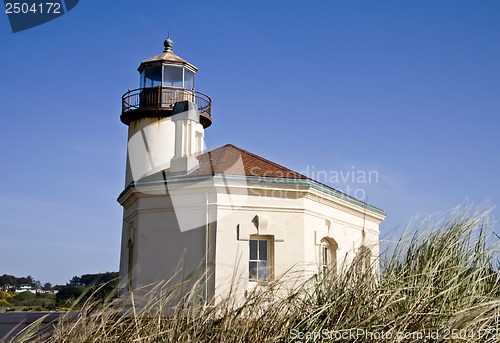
{"x": 328, "y": 255}
{"x": 363, "y": 260}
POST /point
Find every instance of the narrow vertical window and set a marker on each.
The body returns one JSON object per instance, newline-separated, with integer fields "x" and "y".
{"x": 259, "y": 263}
{"x": 130, "y": 246}
{"x": 325, "y": 256}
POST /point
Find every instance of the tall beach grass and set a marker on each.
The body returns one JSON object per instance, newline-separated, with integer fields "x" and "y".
{"x": 438, "y": 282}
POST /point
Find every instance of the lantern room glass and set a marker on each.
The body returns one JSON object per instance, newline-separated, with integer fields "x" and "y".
{"x": 188, "y": 79}
{"x": 167, "y": 76}
{"x": 152, "y": 77}
{"x": 172, "y": 76}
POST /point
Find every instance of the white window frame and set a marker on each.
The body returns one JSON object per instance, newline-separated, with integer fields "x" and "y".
{"x": 328, "y": 256}
{"x": 269, "y": 261}
{"x": 163, "y": 74}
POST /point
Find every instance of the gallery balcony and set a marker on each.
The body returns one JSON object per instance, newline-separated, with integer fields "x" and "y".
{"x": 159, "y": 101}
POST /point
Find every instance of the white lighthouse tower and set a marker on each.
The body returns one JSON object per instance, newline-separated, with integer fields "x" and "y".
{"x": 166, "y": 119}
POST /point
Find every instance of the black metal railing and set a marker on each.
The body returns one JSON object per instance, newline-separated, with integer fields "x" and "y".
{"x": 164, "y": 98}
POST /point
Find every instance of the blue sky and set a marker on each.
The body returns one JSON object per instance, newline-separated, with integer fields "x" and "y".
{"x": 408, "y": 89}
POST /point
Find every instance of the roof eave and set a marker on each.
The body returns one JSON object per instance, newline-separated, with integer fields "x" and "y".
{"x": 162, "y": 59}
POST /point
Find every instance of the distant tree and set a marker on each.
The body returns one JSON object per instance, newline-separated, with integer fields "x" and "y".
{"x": 27, "y": 280}
{"x": 58, "y": 287}
{"x": 93, "y": 279}
{"x": 90, "y": 279}
{"x": 7, "y": 282}
{"x": 103, "y": 284}
{"x": 110, "y": 276}
{"x": 75, "y": 281}
{"x": 68, "y": 294}
{"x": 47, "y": 286}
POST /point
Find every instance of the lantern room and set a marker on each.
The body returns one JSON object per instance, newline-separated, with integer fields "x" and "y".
{"x": 167, "y": 70}
{"x": 164, "y": 80}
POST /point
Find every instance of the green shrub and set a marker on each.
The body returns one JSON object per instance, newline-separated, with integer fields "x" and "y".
{"x": 23, "y": 296}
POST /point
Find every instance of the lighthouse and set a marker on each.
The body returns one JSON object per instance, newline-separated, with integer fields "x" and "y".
{"x": 166, "y": 119}
{"x": 227, "y": 218}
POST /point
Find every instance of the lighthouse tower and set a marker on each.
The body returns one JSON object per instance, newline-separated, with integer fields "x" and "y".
{"x": 166, "y": 117}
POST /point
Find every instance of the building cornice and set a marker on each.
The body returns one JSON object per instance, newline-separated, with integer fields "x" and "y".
{"x": 287, "y": 183}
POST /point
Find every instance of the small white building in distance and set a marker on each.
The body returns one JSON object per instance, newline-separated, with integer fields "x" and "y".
{"x": 25, "y": 288}
{"x": 235, "y": 217}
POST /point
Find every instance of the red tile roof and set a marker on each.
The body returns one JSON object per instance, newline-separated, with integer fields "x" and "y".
{"x": 231, "y": 160}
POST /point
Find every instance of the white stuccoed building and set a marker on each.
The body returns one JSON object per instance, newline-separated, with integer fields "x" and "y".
{"x": 240, "y": 218}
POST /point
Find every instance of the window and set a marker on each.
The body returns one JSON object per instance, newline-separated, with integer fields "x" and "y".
{"x": 143, "y": 75}
{"x": 130, "y": 245}
{"x": 328, "y": 255}
{"x": 325, "y": 256}
{"x": 153, "y": 77}
{"x": 188, "y": 79}
{"x": 259, "y": 265}
{"x": 363, "y": 260}
{"x": 172, "y": 76}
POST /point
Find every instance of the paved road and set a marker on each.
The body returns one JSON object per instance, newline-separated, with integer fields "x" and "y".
{"x": 16, "y": 321}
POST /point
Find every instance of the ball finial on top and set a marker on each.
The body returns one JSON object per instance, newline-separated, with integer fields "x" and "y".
{"x": 168, "y": 43}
